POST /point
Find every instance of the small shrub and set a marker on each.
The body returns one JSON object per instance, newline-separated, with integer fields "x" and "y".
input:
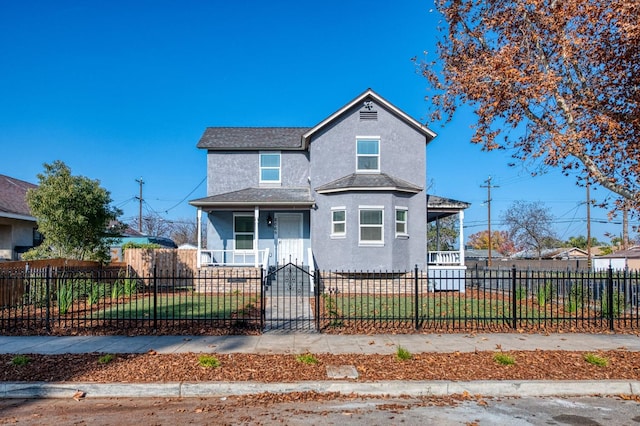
{"x": 504, "y": 359}
{"x": 129, "y": 286}
{"x": 117, "y": 290}
{"x": 208, "y": 361}
{"x": 597, "y": 360}
{"x": 97, "y": 292}
{"x": 576, "y": 298}
{"x": 521, "y": 293}
{"x": 20, "y": 360}
{"x": 309, "y": 359}
{"x": 618, "y": 304}
{"x": 65, "y": 297}
{"x": 544, "y": 294}
{"x": 403, "y": 354}
{"x": 106, "y": 358}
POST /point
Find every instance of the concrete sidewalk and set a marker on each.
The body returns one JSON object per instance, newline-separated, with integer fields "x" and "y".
{"x": 294, "y": 343}
{"x": 272, "y": 343}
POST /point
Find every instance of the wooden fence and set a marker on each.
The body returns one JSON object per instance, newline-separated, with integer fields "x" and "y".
{"x": 166, "y": 262}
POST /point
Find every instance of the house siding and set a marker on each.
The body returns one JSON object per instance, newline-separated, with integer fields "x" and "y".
{"x": 229, "y": 171}
{"x": 402, "y": 155}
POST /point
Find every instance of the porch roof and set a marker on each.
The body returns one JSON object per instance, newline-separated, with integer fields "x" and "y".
{"x": 368, "y": 182}
{"x": 441, "y": 207}
{"x": 251, "y": 197}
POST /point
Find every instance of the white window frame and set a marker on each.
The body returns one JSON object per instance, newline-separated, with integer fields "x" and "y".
{"x": 262, "y": 168}
{"x": 358, "y": 155}
{"x": 253, "y": 234}
{"x": 405, "y": 222}
{"x": 361, "y": 226}
{"x": 334, "y": 222}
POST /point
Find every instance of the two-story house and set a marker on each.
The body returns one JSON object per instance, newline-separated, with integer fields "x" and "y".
{"x": 346, "y": 194}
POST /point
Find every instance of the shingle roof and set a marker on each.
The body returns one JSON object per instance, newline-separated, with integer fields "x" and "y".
{"x": 291, "y": 197}
{"x": 434, "y": 201}
{"x": 13, "y": 196}
{"x": 252, "y": 138}
{"x": 368, "y": 181}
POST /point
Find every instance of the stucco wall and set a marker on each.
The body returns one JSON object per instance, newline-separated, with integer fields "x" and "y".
{"x": 402, "y": 155}
{"x": 232, "y": 171}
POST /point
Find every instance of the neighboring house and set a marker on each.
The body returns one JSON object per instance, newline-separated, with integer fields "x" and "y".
{"x": 620, "y": 260}
{"x": 347, "y": 194}
{"x": 18, "y": 228}
{"x": 558, "y": 253}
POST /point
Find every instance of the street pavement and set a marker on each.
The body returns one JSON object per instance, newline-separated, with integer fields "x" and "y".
{"x": 296, "y": 343}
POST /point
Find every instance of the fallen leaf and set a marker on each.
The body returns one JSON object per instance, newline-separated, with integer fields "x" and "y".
{"x": 79, "y": 395}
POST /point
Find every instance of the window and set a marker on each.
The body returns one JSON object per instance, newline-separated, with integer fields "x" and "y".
{"x": 338, "y": 222}
{"x": 243, "y": 231}
{"x": 368, "y": 155}
{"x": 371, "y": 225}
{"x": 270, "y": 167}
{"x": 401, "y": 221}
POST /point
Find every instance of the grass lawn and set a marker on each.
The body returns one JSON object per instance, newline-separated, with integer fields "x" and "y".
{"x": 182, "y": 306}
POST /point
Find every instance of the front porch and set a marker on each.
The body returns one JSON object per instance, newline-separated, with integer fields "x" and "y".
{"x": 445, "y": 265}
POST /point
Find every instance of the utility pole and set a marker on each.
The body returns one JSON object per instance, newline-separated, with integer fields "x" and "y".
{"x": 489, "y": 186}
{"x": 588, "y": 225}
{"x": 141, "y": 182}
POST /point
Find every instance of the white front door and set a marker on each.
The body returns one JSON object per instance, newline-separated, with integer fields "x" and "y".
{"x": 289, "y": 238}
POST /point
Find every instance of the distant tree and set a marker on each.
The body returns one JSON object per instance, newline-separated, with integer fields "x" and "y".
{"x": 443, "y": 234}
{"x": 153, "y": 225}
{"x": 500, "y": 241}
{"x": 555, "y": 81}
{"x": 73, "y": 215}
{"x": 530, "y": 225}
{"x": 581, "y": 242}
{"x": 184, "y": 231}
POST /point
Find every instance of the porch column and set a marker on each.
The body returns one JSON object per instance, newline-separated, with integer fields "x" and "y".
{"x": 256, "y": 216}
{"x": 461, "y": 236}
{"x": 199, "y": 229}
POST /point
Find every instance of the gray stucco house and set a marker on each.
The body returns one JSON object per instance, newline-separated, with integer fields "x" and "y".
{"x": 346, "y": 194}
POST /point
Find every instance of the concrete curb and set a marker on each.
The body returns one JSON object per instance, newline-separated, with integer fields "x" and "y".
{"x": 505, "y": 388}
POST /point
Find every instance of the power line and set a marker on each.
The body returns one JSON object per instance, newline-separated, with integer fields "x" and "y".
{"x": 186, "y": 196}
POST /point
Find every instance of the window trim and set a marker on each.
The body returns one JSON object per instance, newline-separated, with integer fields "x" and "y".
{"x": 262, "y": 168}
{"x": 405, "y": 222}
{"x": 377, "y": 156}
{"x": 253, "y": 233}
{"x": 333, "y": 233}
{"x": 370, "y": 243}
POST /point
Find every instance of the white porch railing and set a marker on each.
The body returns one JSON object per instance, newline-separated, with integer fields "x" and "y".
{"x": 234, "y": 257}
{"x": 444, "y": 258}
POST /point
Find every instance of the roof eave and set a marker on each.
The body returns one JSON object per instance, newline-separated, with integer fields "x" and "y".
{"x": 430, "y": 134}
{"x": 367, "y": 188}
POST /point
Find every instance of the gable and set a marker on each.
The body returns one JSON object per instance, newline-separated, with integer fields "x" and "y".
{"x": 370, "y": 101}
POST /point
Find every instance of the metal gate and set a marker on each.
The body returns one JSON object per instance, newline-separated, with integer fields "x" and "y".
{"x": 289, "y": 299}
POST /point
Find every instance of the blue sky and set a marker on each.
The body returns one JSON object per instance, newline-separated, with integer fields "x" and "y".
{"x": 122, "y": 90}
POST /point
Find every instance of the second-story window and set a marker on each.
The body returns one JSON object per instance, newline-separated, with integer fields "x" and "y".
{"x": 269, "y": 167}
{"x": 368, "y": 154}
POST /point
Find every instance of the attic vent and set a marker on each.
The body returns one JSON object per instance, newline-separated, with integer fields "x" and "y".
{"x": 368, "y": 115}
{"x": 367, "y": 112}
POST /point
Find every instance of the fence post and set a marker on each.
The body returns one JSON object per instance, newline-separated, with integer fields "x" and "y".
{"x": 316, "y": 291}
{"x": 610, "y": 297}
{"x": 416, "y": 316}
{"x": 262, "y": 295}
{"x": 47, "y": 282}
{"x": 514, "y": 299}
{"x": 155, "y": 298}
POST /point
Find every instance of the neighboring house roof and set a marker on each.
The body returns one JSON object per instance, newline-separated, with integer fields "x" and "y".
{"x": 552, "y": 253}
{"x": 429, "y": 134}
{"x": 252, "y": 138}
{"x": 481, "y": 254}
{"x": 368, "y": 182}
{"x": 631, "y": 253}
{"x": 441, "y": 207}
{"x": 13, "y": 203}
{"x": 287, "y": 197}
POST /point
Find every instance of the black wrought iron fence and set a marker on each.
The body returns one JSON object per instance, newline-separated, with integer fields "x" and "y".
{"x": 234, "y": 300}
{"x": 50, "y": 300}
